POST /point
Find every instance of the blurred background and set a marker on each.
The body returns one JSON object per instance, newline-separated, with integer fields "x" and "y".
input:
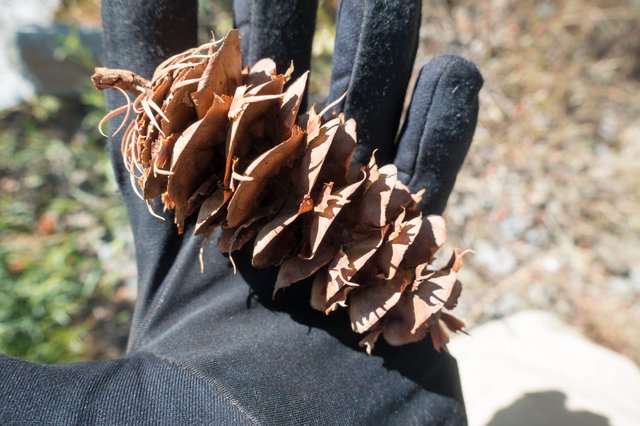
{"x": 548, "y": 197}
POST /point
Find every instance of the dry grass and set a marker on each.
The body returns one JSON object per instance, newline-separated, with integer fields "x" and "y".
{"x": 549, "y": 194}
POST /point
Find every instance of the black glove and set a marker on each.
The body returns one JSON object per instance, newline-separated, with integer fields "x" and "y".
{"x": 214, "y": 347}
{"x": 375, "y": 48}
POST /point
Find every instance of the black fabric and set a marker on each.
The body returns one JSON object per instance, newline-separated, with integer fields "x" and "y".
{"x": 141, "y": 389}
{"x": 439, "y": 128}
{"x": 376, "y": 43}
{"x": 277, "y": 362}
{"x": 213, "y": 347}
{"x": 281, "y": 30}
{"x": 136, "y": 38}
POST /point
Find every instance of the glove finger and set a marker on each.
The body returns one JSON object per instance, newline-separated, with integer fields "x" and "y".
{"x": 282, "y": 31}
{"x": 133, "y": 35}
{"x": 375, "y": 47}
{"x": 439, "y": 127}
{"x": 138, "y": 35}
{"x": 134, "y": 40}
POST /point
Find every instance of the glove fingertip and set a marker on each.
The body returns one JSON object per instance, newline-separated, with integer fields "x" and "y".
{"x": 439, "y": 128}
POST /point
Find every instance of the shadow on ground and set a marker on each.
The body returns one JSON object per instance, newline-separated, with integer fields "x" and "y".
{"x": 545, "y": 408}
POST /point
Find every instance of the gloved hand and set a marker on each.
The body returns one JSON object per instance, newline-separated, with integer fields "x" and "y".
{"x": 279, "y": 361}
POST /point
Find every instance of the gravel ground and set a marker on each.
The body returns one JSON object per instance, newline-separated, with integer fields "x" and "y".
{"x": 548, "y": 195}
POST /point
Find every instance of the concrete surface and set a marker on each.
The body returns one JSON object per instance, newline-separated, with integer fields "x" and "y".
{"x": 68, "y": 77}
{"x": 532, "y": 369}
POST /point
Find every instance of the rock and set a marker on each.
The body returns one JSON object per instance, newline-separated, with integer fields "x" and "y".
{"x": 513, "y": 227}
{"x": 498, "y": 260}
{"x": 634, "y": 277}
{"x": 620, "y": 287}
{"x": 531, "y": 368}
{"x": 50, "y": 74}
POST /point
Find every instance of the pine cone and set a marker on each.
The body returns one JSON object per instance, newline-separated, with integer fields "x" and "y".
{"x": 227, "y": 143}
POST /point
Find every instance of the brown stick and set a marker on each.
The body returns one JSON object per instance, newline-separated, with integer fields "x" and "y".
{"x": 107, "y": 78}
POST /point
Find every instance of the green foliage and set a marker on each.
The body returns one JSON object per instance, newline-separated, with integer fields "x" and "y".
{"x": 322, "y": 51}
{"x": 63, "y": 231}
{"x": 214, "y": 16}
{"x": 71, "y": 49}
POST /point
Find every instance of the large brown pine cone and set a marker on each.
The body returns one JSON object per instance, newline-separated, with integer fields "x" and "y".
{"x": 228, "y": 143}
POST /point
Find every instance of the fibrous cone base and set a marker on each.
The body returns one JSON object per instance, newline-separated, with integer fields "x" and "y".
{"x": 227, "y": 144}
